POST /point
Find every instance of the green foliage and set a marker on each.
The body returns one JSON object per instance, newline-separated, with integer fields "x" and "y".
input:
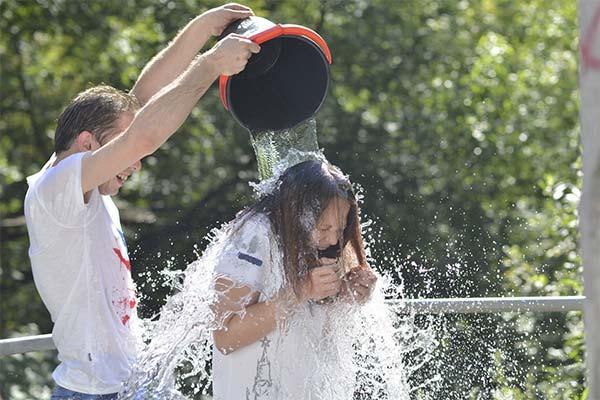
{"x": 459, "y": 119}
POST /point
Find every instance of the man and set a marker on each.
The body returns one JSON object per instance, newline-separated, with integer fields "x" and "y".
{"x": 77, "y": 249}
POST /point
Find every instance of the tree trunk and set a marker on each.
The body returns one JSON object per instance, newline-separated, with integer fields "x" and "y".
{"x": 589, "y": 83}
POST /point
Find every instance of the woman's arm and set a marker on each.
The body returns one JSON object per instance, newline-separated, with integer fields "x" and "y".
{"x": 245, "y": 320}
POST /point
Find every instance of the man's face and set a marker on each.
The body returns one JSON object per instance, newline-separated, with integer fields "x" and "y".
{"x": 112, "y": 186}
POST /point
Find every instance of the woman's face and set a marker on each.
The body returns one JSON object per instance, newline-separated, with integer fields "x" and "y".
{"x": 330, "y": 226}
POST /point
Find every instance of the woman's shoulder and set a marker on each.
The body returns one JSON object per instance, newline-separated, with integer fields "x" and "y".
{"x": 253, "y": 224}
{"x": 249, "y": 232}
{"x": 246, "y": 252}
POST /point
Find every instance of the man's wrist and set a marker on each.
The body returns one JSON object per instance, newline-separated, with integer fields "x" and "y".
{"x": 201, "y": 27}
{"x": 211, "y": 62}
{"x": 205, "y": 26}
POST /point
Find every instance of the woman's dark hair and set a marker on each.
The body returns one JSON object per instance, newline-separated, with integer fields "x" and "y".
{"x": 301, "y": 195}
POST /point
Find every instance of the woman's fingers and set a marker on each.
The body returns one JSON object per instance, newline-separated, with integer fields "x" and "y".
{"x": 327, "y": 261}
{"x": 360, "y": 293}
{"x": 330, "y": 290}
{"x": 328, "y": 279}
{"x": 363, "y": 277}
{"x": 330, "y": 285}
{"x": 324, "y": 272}
{"x": 324, "y": 282}
{"x": 360, "y": 285}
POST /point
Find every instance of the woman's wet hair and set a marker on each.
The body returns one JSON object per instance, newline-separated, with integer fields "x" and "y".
{"x": 294, "y": 207}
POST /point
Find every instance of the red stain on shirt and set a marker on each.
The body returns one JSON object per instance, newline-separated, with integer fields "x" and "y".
{"x": 590, "y": 60}
{"x": 122, "y": 307}
{"x": 123, "y": 260}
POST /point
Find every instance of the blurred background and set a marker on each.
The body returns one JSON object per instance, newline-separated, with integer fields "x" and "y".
{"x": 459, "y": 119}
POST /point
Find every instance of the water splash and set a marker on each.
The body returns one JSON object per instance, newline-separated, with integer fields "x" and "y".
{"x": 369, "y": 351}
{"x": 359, "y": 351}
{"x": 278, "y": 150}
{"x": 292, "y": 157}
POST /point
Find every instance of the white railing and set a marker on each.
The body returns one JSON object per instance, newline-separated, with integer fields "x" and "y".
{"x": 26, "y": 344}
{"x": 420, "y": 306}
{"x": 493, "y": 304}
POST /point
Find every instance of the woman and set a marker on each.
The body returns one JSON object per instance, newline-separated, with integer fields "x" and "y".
{"x": 286, "y": 284}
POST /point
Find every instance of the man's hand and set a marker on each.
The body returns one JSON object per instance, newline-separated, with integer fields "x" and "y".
{"x": 231, "y": 54}
{"x": 173, "y": 60}
{"x": 217, "y": 19}
{"x": 359, "y": 284}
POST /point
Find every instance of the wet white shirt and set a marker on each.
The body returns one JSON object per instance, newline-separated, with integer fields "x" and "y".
{"x": 300, "y": 361}
{"x": 82, "y": 271}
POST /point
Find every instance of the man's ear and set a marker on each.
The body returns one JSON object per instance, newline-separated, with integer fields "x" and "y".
{"x": 84, "y": 141}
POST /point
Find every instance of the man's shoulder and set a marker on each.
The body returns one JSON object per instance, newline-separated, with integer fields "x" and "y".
{"x": 53, "y": 170}
{"x": 54, "y": 193}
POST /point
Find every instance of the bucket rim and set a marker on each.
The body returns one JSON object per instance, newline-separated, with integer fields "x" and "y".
{"x": 227, "y": 87}
{"x": 274, "y": 32}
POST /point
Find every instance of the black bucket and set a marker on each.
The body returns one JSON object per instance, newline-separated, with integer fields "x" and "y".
{"x": 283, "y": 85}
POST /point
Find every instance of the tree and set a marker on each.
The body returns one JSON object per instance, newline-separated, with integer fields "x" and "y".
{"x": 458, "y": 118}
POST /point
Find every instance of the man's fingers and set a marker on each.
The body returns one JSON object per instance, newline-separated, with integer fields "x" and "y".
{"x": 243, "y": 58}
{"x": 241, "y": 38}
{"x": 249, "y": 44}
{"x": 254, "y": 48}
{"x": 237, "y": 6}
{"x": 234, "y": 15}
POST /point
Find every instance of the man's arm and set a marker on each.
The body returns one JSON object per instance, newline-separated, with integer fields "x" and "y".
{"x": 166, "y": 111}
{"x": 176, "y": 57}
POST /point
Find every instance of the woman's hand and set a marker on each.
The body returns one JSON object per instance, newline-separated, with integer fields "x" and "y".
{"x": 322, "y": 281}
{"x": 359, "y": 284}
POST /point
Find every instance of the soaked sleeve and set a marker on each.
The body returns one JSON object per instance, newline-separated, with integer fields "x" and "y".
{"x": 60, "y": 193}
{"x": 246, "y": 256}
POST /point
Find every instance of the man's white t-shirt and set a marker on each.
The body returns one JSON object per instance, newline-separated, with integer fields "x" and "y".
{"x": 299, "y": 361}
{"x": 82, "y": 271}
